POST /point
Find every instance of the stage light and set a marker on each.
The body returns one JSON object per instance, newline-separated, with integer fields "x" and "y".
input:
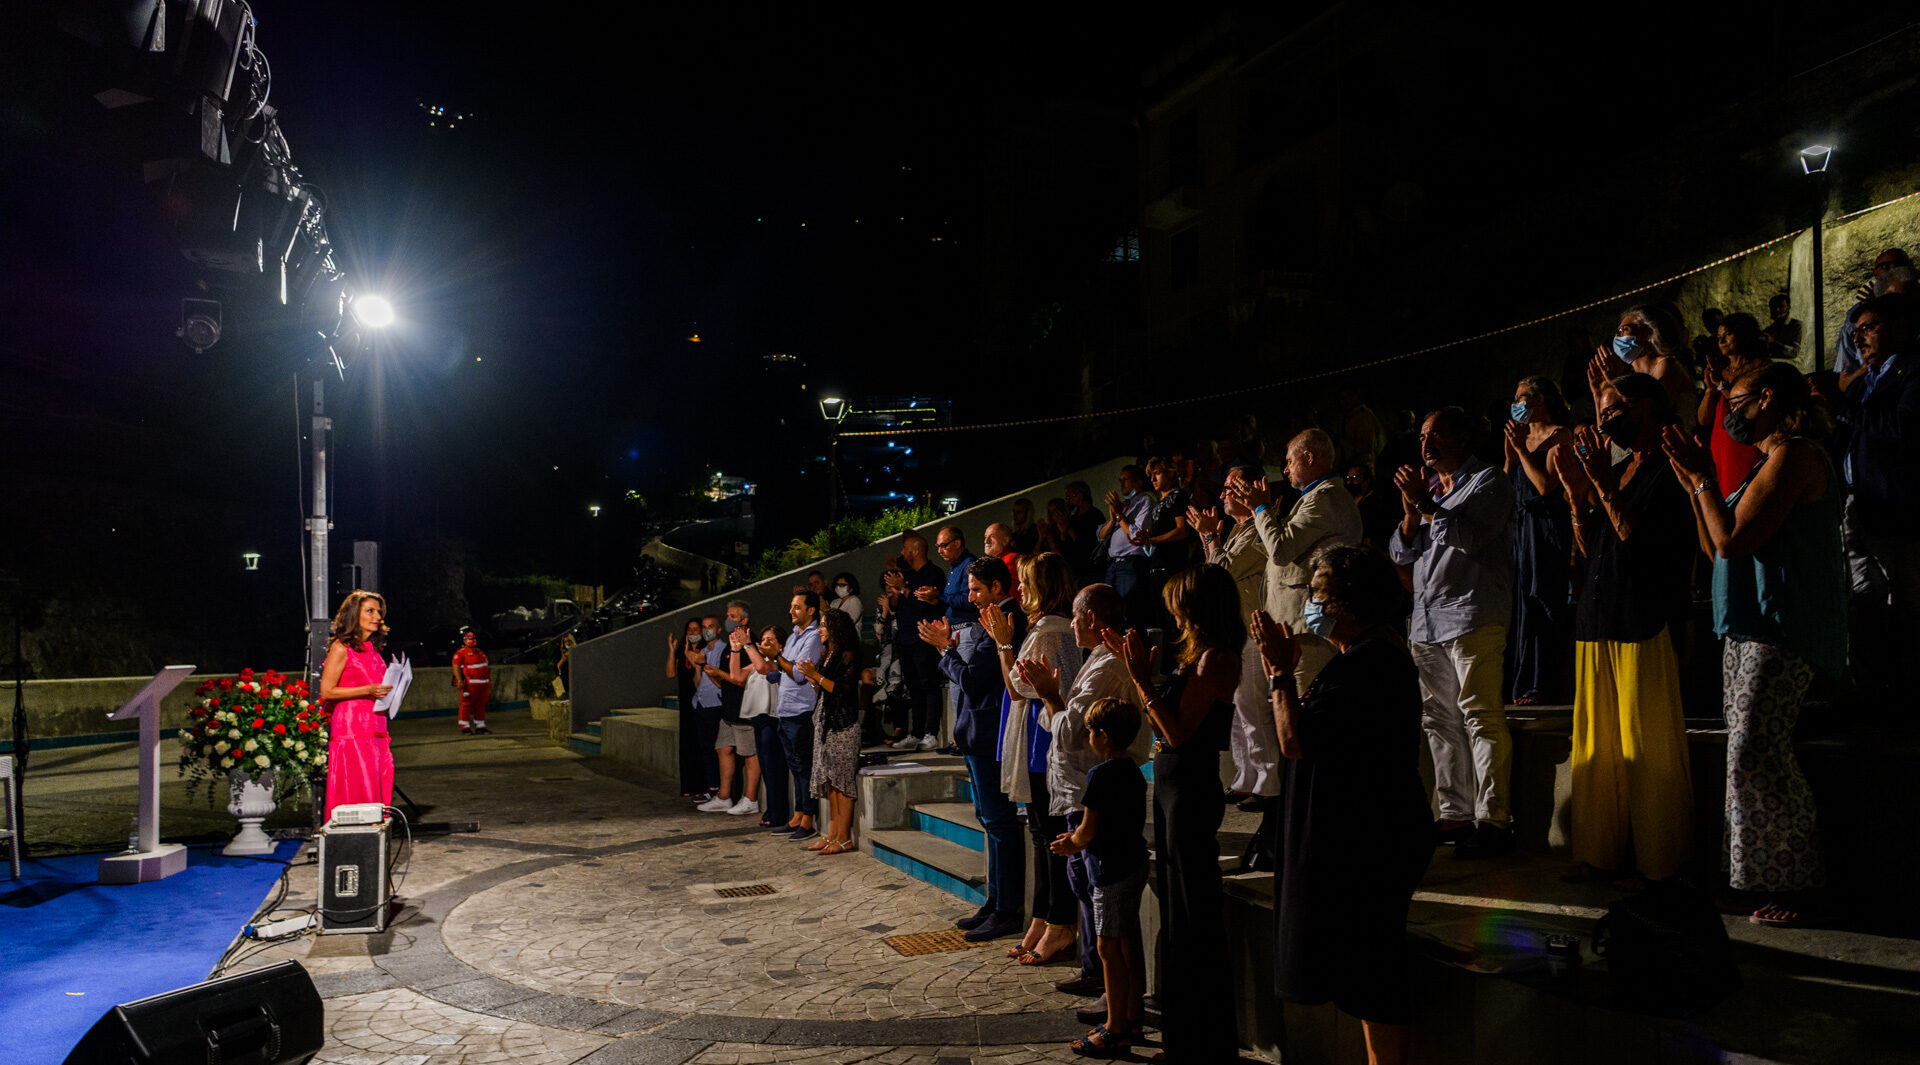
{"x": 199, "y": 324}
{"x": 1815, "y": 157}
{"x": 373, "y": 312}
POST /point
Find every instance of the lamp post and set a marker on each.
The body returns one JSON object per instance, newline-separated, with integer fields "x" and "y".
{"x": 834, "y": 410}
{"x": 1813, "y": 163}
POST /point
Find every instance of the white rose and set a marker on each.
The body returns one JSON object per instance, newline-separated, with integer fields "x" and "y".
{"x": 286, "y": 743}
{"x": 227, "y": 762}
{"x": 305, "y": 704}
{"x": 221, "y": 747}
{"x": 233, "y": 733}
{"x": 277, "y": 693}
{"x": 253, "y": 745}
{"x": 262, "y": 761}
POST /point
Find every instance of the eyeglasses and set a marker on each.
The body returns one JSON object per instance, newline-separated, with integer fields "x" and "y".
{"x": 1861, "y": 329}
{"x": 943, "y": 545}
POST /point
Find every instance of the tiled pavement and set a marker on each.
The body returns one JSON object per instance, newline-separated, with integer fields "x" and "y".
{"x": 581, "y": 924}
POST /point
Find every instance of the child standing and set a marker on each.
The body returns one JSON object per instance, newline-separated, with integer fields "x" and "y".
{"x": 1113, "y": 833}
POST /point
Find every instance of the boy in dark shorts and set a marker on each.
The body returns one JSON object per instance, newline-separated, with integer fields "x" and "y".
{"x": 1113, "y": 833}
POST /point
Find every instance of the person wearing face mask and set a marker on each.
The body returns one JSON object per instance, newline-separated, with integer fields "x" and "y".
{"x": 1880, "y": 421}
{"x": 1632, "y": 793}
{"x": 734, "y": 741}
{"x": 1890, "y": 267}
{"x": 706, "y": 700}
{"x": 1780, "y": 602}
{"x": 1456, "y": 531}
{"x": 1354, "y": 838}
{"x": 1542, "y": 544}
{"x": 846, "y": 597}
{"x": 1648, "y": 340}
{"x": 1738, "y": 350}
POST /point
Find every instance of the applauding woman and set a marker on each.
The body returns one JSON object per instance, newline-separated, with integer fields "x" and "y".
{"x": 1355, "y": 836}
{"x": 836, "y": 727}
{"x": 1779, "y": 599}
{"x": 1191, "y": 715}
{"x": 359, "y": 760}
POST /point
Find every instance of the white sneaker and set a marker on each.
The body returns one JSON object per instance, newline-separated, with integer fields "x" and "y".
{"x": 929, "y": 741}
{"x": 715, "y": 805}
{"x": 744, "y": 806}
{"x": 906, "y": 744}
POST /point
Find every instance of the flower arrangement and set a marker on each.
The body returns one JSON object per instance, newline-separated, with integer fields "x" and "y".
{"x": 255, "y": 722}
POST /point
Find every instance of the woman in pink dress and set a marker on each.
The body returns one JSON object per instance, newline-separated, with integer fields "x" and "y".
{"x": 359, "y": 762}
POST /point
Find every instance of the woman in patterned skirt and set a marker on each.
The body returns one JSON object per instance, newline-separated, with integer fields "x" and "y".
{"x": 836, "y": 727}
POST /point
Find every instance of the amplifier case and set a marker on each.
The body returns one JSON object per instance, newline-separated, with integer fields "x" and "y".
{"x": 353, "y": 879}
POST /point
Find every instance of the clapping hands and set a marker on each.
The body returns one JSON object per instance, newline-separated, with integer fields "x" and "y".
{"x": 998, "y": 625}
{"x": 1044, "y": 679}
{"x": 937, "y": 633}
{"x": 1133, "y": 652}
{"x": 1279, "y": 650}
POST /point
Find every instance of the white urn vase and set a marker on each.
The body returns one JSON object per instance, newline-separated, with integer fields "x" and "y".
{"x": 252, "y": 802}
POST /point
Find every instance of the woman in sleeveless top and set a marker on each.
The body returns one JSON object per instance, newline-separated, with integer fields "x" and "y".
{"x": 1191, "y": 715}
{"x": 1779, "y": 599}
{"x": 359, "y": 761}
{"x": 1542, "y": 546}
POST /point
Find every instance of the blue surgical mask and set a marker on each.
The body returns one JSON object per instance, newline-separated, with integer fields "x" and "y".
{"x": 1317, "y": 620}
{"x": 1519, "y": 413}
{"x": 1629, "y": 348}
{"x": 1128, "y": 498}
{"x": 711, "y": 634}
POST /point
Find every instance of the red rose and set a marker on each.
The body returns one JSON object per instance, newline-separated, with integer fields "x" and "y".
{"x": 259, "y": 722}
{"x": 280, "y": 730}
{"x": 226, "y": 684}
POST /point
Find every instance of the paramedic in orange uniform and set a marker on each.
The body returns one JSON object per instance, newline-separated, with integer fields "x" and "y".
{"x": 473, "y": 679}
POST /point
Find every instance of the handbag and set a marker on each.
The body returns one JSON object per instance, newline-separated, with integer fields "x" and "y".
{"x": 757, "y": 700}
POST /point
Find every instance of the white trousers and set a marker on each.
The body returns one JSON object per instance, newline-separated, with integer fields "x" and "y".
{"x": 1465, "y": 718}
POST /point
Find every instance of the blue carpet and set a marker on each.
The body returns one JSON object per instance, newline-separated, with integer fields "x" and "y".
{"x": 71, "y": 949}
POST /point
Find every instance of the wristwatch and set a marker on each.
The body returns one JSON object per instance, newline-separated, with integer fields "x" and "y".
{"x": 1278, "y": 681}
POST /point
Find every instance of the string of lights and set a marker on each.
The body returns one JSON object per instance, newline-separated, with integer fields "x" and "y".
{"x": 1384, "y": 360}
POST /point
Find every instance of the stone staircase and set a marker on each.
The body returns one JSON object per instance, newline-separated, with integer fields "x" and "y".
{"x": 923, "y": 825}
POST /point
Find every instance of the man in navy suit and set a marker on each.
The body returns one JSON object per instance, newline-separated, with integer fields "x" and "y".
{"x": 1880, "y": 422}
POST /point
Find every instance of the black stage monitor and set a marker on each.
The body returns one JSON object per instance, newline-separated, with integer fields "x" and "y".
{"x": 265, "y": 1017}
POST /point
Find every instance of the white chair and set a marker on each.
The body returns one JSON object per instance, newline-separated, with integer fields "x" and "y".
{"x": 13, "y": 813}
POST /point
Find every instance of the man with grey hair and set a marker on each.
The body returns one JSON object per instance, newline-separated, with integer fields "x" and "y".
{"x": 1649, "y": 341}
{"x": 1456, "y": 531}
{"x": 1891, "y": 268}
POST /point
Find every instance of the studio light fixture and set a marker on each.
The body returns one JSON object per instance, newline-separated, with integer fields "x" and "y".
{"x": 374, "y": 312}
{"x": 199, "y": 324}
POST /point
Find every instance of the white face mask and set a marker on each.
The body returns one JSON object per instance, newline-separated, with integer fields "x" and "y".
{"x": 840, "y": 590}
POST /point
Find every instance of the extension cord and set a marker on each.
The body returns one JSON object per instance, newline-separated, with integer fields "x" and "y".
{"x": 282, "y": 927}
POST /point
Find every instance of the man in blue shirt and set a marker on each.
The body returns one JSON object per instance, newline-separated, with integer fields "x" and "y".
{"x": 793, "y": 705}
{"x": 1126, "y": 523}
{"x": 1880, "y": 422}
{"x": 972, "y": 665}
{"x": 1457, "y": 534}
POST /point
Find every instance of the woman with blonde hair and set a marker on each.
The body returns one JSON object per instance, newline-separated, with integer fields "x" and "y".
{"x": 1190, "y": 715}
{"x": 359, "y": 761}
{"x": 1046, "y": 598}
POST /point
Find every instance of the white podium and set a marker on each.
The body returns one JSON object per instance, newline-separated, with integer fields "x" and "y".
{"x": 154, "y": 860}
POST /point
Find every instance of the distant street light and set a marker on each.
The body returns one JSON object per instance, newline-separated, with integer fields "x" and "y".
{"x": 950, "y": 504}
{"x": 252, "y": 559}
{"x": 593, "y": 509}
{"x": 834, "y": 410}
{"x": 1814, "y": 160}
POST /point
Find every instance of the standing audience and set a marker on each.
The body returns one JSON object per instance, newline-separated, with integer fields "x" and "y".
{"x": 1046, "y": 600}
{"x": 836, "y": 725}
{"x": 1191, "y": 715}
{"x": 1456, "y": 531}
{"x": 1354, "y": 838}
{"x": 1026, "y": 534}
{"x": 915, "y": 595}
{"x": 1779, "y": 600}
{"x": 1632, "y": 794}
{"x": 707, "y": 701}
{"x": 682, "y": 656}
{"x": 1738, "y": 351}
{"x": 733, "y": 737}
{"x": 1649, "y": 340}
{"x": 794, "y": 705}
{"x": 1542, "y": 545}
{"x": 1123, "y": 534}
{"x": 846, "y": 598}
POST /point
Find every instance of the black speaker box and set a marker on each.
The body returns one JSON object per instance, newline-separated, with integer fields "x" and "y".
{"x": 353, "y": 878}
{"x": 268, "y": 1016}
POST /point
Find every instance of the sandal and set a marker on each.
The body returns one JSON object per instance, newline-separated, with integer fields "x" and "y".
{"x": 838, "y": 846}
{"x": 1100, "y": 1043}
{"x": 1061, "y": 954}
{"x": 1780, "y": 915}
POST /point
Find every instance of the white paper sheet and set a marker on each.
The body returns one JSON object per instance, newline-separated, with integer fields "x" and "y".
{"x": 400, "y": 676}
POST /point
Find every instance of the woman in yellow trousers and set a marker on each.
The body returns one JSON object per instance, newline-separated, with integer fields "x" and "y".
{"x": 1632, "y": 789}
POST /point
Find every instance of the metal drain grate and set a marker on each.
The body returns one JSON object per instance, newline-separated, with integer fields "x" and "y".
{"x": 748, "y": 891}
{"x": 928, "y": 942}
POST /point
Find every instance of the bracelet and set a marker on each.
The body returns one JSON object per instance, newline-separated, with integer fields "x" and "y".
{"x": 1007, "y": 647}
{"x": 1702, "y": 486}
{"x": 1607, "y": 500}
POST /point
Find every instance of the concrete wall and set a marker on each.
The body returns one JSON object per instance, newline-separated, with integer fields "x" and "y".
{"x": 73, "y": 708}
{"x": 628, "y": 668}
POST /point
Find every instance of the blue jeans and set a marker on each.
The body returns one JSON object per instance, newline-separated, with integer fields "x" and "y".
{"x": 1006, "y": 858}
{"x": 1080, "y": 879}
{"x": 773, "y": 761}
{"x": 796, "y": 735}
{"x": 1128, "y": 576}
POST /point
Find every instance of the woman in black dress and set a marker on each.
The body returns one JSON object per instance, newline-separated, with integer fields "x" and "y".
{"x": 1542, "y": 649}
{"x": 1190, "y": 716}
{"x": 1357, "y": 832}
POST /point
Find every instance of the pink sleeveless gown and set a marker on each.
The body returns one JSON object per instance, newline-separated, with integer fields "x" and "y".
{"x": 359, "y": 762}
